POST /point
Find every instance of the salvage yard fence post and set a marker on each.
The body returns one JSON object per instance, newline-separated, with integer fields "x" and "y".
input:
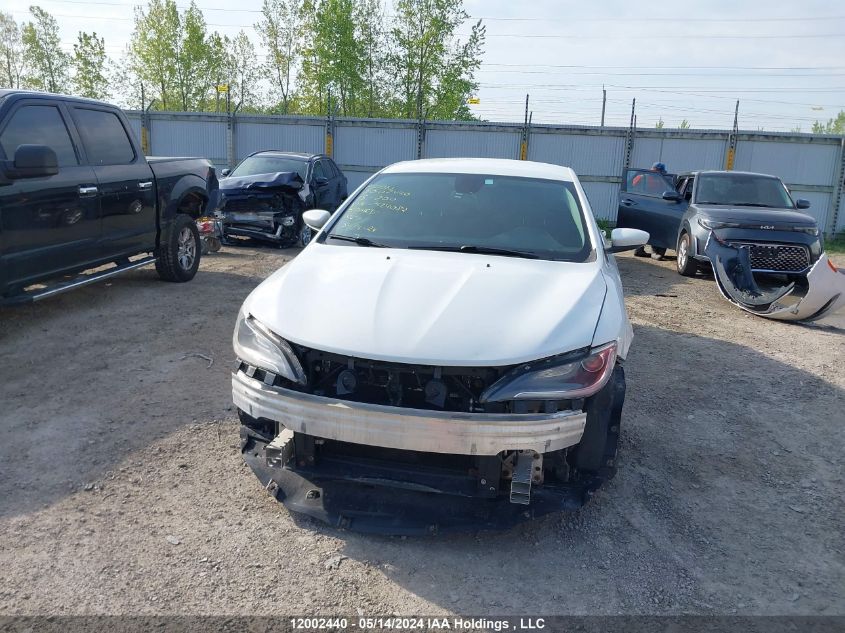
{"x": 811, "y": 165}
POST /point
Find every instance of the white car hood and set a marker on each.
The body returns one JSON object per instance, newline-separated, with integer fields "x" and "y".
{"x": 432, "y": 308}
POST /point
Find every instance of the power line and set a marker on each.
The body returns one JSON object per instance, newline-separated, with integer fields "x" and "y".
{"x": 568, "y": 36}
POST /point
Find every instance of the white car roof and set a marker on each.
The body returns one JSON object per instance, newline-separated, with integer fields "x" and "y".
{"x": 491, "y": 166}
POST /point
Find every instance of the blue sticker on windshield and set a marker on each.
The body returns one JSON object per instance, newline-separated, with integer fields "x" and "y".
{"x": 488, "y": 181}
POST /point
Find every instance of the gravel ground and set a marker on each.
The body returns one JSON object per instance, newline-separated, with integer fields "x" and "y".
{"x": 122, "y": 490}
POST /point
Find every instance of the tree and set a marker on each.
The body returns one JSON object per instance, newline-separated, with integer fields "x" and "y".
{"x": 47, "y": 64}
{"x": 195, "y": 58}
{"x": 435, "y": 74}
{"x": 333, "y": 58}
{"x": 281, "y": 34}
{"x": 659, "y": 125}
{"x": 372, "y": 35}
{"x": 124, "y": 85}
{"x": 151, "y": 51}
{"x": 89, "y": 63}
{"x": 684, "y": 125}
{"x": 242, "y": 71}
{"x": 11, "y": 52}
{"x": 833, "y": 126}
{"x": 175, "y": 56}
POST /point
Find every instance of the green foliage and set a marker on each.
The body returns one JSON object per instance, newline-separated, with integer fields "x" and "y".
{"x": 684, "y": 125}
{"x": 281, "y": 32}
{"x": 435, "y": 73}
{"x": 659, "y": 125}
{"x": 11, "y": 52}
{"x": 47, "y": 65}
{"x": 89, "y": 63}
{"x": 833, "y": 126}
{"x": 836, "y": 244}
{"x": 333, "y": 58}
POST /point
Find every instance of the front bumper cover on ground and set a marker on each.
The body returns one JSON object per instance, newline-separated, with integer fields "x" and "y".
{"x": 824, "y": 292}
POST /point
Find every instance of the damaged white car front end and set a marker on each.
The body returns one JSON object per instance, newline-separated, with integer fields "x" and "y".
{"x": 438, "y": 359}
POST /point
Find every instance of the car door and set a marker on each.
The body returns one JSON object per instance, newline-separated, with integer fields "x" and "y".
{"x": 338, "y": 181}
{"x": 125, "y": 181}
{"x": 49, "y": 224}
{"x": 641, "y": 206}
{"x": 321, "y": 183}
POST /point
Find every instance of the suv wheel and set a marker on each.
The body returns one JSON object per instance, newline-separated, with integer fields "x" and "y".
{"x": 687, "y": 266}
{"x": 305, "y": 235}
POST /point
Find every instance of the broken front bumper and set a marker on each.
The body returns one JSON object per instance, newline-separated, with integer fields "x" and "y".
{"x": 407, "y": 429}
{"x": 823, "y": 293}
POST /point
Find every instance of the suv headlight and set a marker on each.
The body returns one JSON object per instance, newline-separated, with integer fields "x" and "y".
{"x": 256, "y": 345}
{"x": 809, "y": 230}
{"x": 712, "y": 225}
{"x": 566, "y": 377}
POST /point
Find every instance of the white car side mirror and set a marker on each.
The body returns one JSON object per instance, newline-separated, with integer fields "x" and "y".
{"x": 627, "y": 239}
{"x": 316, "y": 218}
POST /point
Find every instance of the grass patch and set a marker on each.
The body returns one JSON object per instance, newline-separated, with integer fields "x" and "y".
{"x": 605, "y": 225}
{"x": 835, "y": 245}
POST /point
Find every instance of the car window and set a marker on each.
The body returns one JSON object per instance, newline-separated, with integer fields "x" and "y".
{"x": 687, "y": 191}
{"x": 333, "y": 167}
{"x": 39, "y": 125}
{"x": 540, "y": 216}
{"x": 318, "y": 170}
{"x": 648, "y": 183}
{"x": 736, "y": 189}
{"x": 104, "y": 137}
{"x": 261, "y": 164}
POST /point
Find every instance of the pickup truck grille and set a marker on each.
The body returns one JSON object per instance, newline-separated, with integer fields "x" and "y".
{"x": 779, "y": 258}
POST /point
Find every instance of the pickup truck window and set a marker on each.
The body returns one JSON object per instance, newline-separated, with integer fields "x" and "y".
{"x": 38, "y": 125}
{"x": 104, "y": 137}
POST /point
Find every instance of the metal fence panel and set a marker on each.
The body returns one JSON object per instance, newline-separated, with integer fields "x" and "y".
{"x": 679, "y": 154}
{"x": 587, "y": 155}
{"x": 252, "y": 136}
{"x": 374, "y": 146}
{"x": 806, "y": 163}
{"x": 447, "y": 143}
{"x": 604, "y": 199}
{"x": 190, "y": 137}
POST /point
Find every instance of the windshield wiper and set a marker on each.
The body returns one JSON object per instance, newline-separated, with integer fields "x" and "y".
{"x": 360, "y": 241}
{"x": 481, "y": 250}
{"x": 750, "y": 204}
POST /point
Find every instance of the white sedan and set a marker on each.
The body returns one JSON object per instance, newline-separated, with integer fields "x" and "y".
{"x": 446, "y": 354}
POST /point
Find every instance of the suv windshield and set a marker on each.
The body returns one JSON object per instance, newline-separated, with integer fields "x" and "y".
{"x": 742, "y": 190}
{"x": 270, "y": 165}
{"x": 497, "y": 215}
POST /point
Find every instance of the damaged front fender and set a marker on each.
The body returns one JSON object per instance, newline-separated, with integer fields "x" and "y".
{"x": 823, "y": 293}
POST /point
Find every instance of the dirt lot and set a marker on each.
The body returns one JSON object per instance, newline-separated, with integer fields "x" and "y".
{"x": 122, "y": 490}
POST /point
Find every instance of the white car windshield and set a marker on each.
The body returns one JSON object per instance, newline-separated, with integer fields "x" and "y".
{"x": 507, "y": 215}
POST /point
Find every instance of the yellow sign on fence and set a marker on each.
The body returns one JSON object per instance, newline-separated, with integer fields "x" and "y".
{"x": 473, "y": 100}
{"x": 223, "y": 88}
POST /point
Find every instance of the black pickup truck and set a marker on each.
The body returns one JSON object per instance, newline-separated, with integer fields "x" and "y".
{"x": 77, "y": 193}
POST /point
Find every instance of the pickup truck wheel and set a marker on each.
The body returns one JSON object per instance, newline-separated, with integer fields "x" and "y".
{"x": 687, "y": 266}
{"x": 179, "y": 253}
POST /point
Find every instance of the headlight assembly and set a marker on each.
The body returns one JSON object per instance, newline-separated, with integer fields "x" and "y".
{"x": 560, "y": 378}
{"x": 809, "y": 230}
{"x": 712, "y": 225}
{"x": 256, "y": 345}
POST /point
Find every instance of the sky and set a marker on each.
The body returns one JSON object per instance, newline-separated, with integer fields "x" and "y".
{"x": 783, "y": 61}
